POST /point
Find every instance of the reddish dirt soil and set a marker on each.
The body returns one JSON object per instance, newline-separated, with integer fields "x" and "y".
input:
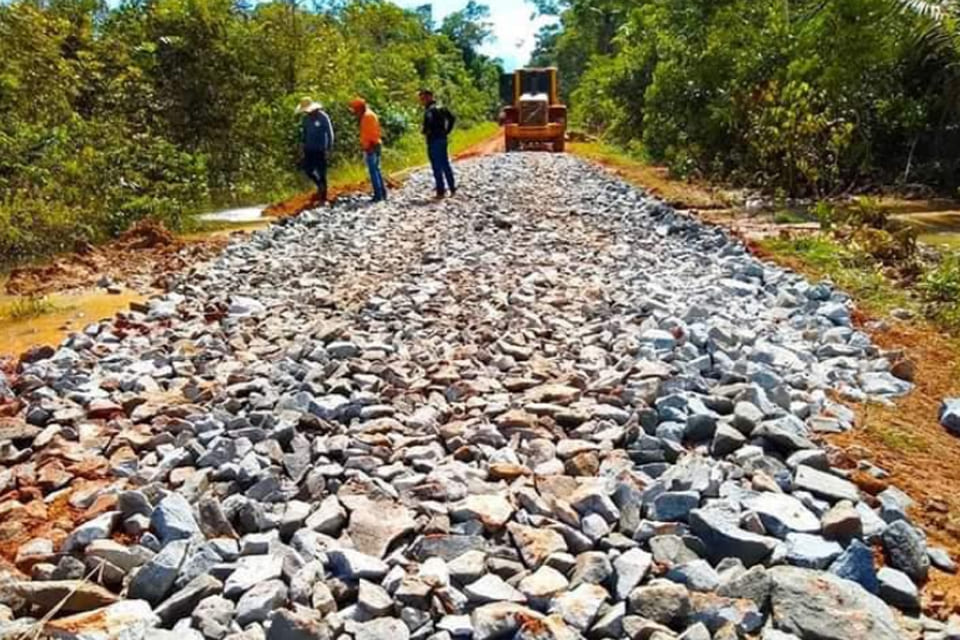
{"x": 302, "y": 201}
{"x": 34, "y": 518}
{"x": 907, "y": 441}
{"x": 485, "y": 148}
{"x": 141, "y": 256}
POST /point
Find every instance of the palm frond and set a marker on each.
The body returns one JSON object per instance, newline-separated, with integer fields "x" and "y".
{"x": 933, "y": 9}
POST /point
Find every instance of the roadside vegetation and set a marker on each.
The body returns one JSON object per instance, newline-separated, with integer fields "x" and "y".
{"x": 111, "y": 113}
{"x": 26, "y": 308}
{"x": 806, "y": 98}
{"x": 878, "y": 260}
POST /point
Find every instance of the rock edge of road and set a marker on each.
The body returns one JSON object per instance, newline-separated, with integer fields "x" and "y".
{"x": 549, "y": 408}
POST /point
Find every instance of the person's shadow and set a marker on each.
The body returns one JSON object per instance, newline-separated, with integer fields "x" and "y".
{"x": 423, "y": 202}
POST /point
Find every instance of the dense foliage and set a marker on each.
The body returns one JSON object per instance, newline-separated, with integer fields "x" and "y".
{"x": 805, "y": 97}
{"x": 158, "y": 107}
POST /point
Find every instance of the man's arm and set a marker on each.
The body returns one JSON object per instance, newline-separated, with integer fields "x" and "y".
{"x": 451, "y": 120}
{"x": 329, "y": 125}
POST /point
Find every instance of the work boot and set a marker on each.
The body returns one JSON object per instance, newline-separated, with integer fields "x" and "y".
{"x": 453, "y": 191}
{"x": 440, "y": 194}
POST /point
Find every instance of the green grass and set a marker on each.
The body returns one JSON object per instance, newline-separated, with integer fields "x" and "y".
{"x": 857, "y": 274}
{"x": 896, "y": 438}
{"x": 787, "y": 216}
{"x": 607, "y": 152}
{"x": 894, "y": 431}
{"x": 27, "y": 307}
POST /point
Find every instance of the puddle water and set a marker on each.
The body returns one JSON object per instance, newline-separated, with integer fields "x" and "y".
{"x": 227, "y": 230}
{"x": 243, "y": 214}
{"x": 945, "y": 240}
{"x": 71, "y": 313}
{"x": 937, "y": 228}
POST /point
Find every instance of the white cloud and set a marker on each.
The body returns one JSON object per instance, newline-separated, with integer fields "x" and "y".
{"x": 515, "y": 30}
{"x": 514, "y": 27}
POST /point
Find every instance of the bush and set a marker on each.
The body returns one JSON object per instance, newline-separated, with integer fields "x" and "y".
{"x": 941, "y": 291}
{"x": 31, "y": 227}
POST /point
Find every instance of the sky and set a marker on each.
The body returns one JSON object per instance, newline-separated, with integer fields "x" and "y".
{"x": 514, "y": 27}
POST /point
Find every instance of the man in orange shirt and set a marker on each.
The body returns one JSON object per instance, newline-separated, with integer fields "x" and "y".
{"x": 371, "y": 143}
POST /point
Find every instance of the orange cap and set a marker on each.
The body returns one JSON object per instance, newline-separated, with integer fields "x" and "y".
{"x": 358, "y": 104}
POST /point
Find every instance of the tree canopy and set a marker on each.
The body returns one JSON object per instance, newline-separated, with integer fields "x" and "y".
{"x": 799, "y": 96}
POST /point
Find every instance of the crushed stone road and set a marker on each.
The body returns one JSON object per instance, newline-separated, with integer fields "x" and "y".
{"x": 547, "y": 408}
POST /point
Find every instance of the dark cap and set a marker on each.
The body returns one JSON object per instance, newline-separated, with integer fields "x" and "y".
{"x": 425, "y": 92}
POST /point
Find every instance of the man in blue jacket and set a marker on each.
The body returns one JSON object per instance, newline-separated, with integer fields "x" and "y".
{"x": 316, "y": 139}
{"x": 437, "y": 124}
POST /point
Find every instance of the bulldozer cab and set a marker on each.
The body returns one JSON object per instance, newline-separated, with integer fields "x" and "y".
{"x": 534, "y": 82}
{"x": 529, "y": 82}
{"x": 533, "y": 115}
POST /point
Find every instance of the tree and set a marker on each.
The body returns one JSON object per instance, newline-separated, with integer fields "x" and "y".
{"x": 468, "y": 28}
{"x": 805, "y": 96}
{"x": 545, "y": 52}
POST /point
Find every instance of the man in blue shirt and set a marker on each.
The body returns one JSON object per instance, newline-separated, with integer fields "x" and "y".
{"x": 316, "y": 138}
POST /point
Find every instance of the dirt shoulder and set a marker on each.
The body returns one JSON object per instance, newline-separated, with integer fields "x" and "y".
{"x": 140, "y": 259}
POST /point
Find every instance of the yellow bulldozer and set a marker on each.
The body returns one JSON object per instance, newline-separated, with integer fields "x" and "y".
{"x": 534, "y": 115}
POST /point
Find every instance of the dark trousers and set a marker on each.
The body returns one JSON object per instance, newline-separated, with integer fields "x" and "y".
{"x": 315, "y": 166}
{"x": 440, "y": 161}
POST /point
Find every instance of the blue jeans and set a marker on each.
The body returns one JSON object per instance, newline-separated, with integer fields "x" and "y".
{"x": 440, "y": 161}
{"x": 376, "y": 178}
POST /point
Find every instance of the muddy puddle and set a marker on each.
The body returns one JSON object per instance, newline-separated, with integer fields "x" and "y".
{"x": 63, "y": 313}
{"x": 47, "y": 319}
{"x": 229, "y": 221}
{"x": 242, "y": 215}
{"x": 936, "y": 228}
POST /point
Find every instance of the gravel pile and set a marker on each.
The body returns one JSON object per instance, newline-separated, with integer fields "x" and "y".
{"x": 549, "y": 408}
